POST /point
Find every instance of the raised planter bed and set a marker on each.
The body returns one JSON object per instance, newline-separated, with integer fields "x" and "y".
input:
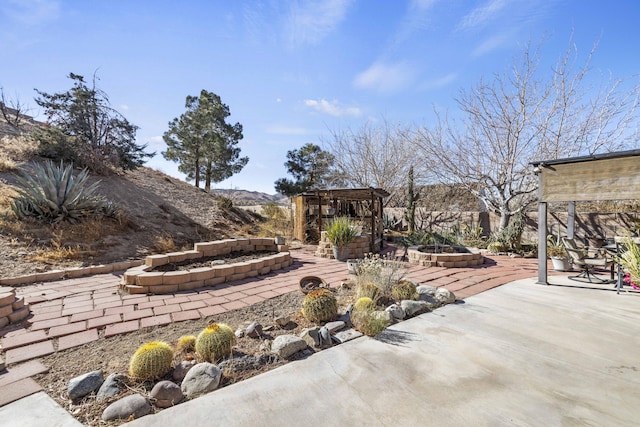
{"x": 449, "y": 256}
{"x": 141, "y": 280}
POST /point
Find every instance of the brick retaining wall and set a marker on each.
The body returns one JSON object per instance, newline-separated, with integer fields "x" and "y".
{"x": 140, "y": 280}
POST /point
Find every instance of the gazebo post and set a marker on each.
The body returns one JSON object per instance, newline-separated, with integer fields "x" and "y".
{"x": 542, "y": 235}
{"x": 571, "y": 220}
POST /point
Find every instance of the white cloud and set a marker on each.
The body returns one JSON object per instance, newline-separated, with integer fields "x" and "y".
{"x": 440, "y": 82}
{"x": 310, "y": 21}
{"x": 286, "y": 130}
{"x": 31, "y": 12}
{"x": 386, "y": 77}
{"x": 479, "y": 16}
{"x": 125, "y": 107}
{"x": 332, "y": 108}
{"x": 490, "y": 45}
{"x": 156, "y": 143}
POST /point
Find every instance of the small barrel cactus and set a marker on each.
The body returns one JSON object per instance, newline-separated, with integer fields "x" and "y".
{"x": 215, "y": 342}
{"x": 366, "y": 319}
{"x": 364, "y": 304}
{"x": 369, "y": 290}
{"x": 320, "y": 306}
{"x": 186, "y": 344}
{"x": 151, "y": 360}
{"x": 404, "y": 290}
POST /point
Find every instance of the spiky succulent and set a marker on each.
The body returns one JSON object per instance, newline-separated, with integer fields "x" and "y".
{"x": 404, "y": 290}
{"x": 152, "y": 360}
{"x": 215, "y": 342}
{"x": 186, "y": 344}
{"x": 53, "y": 193}
{"x": 320, "y": 305}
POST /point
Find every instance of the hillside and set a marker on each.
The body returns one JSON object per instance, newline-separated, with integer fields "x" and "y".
{"x": 160, "y": 214}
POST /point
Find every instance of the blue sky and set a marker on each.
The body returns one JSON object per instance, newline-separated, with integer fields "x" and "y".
{"x": 291, "y": 71}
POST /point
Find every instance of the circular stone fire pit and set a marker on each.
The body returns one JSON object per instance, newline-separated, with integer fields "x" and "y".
{"x": 141, "y": 280}
{"x": 443, "y": 256}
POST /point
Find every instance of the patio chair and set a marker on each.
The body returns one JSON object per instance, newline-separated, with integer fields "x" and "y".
{"x": 580, "y": 257}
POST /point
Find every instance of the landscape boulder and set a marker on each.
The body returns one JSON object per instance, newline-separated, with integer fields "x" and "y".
{"x": 135, "y": 406}
{"x": 287, "y": 345}
{"x": 202, "y": 378}
{"x": 82, "y": 385}
{"x": 445, "y": 296}
{"x": 181, "y": 369}
{"x": 413, "y": 308}
{"x": 166, "y": 394}
{"x": 111, "y": 386}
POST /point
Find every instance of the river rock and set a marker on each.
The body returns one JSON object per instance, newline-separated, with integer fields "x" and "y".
{"x": 396, "y": 312}
{"x": 239, "y": 333}
{"x": 282, "y": 321}
{"x": 202, "y": 378}
{"x": 445, "y": 296}
{"x": 246, "y": 363}
{"x": 181, "y": 369}
{"x": 134, "y": 406}
{"x": 111, "y": 386}
{"x": 311, "y": 336}
{"x": 346, "y": 335}
{"x": 166, "y": 394}
{"x": 335, "y": 326}
{"x": 413, "y": 308}
{"x": 325, "y": 336}
{"x": 426, "y": 290}
{"x": 286, "y": 345}
{"x": 84, "y": 384}
{"x": 254, "y": 330}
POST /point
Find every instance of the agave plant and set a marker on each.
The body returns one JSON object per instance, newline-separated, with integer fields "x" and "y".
{"x": 53, "y": 193}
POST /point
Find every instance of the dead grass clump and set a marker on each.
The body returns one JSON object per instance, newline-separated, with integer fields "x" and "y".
{"x": 164, "y": 244}
{"x": 18, "y": 148}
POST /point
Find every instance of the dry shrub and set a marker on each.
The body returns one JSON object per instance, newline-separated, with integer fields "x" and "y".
{"x": 18, "y": 148}
{"x": 164, "y": 244}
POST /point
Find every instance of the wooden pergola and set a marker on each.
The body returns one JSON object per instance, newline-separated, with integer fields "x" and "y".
{"x": 316, "y": 208}
{"x": 599, "y": 177}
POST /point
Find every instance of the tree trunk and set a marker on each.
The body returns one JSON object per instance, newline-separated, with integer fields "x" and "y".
{"x": 411, "y": 202}
{"x": 197, "y": 174}
{"x": 505, "y": 216}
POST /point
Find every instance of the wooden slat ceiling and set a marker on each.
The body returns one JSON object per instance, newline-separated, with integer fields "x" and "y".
{"x": 603, "y": 179}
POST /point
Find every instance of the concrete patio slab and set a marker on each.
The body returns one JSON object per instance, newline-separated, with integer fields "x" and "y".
{"x": 36, "y": 410}
{"x": 522, "y": 354}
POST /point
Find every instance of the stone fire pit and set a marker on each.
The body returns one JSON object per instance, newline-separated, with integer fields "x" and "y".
{"x": 140, "y": 280}
{"x": 443, "y": 256}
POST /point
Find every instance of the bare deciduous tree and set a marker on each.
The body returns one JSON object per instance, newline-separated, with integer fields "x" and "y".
{"x": 524, "y": 115}
{"x": 372, "y": 156}
{"x": 13, "y": 111}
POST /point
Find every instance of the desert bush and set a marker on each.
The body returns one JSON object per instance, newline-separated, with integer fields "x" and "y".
{"x": 224, "y": 202}
{"x": 277, "y": 222}
{"x": 164, "y": 244}
{"x": 151, "y": 360}
{"x": 320, "y": 305}
{"x": 496, "y": 247}
{"x": 53, "y": 193}
{"x": 381, "y": 271}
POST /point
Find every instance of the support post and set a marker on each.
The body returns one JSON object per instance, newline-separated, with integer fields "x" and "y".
{"x": 571, "y": 220}
{"x": 542, "y": 235}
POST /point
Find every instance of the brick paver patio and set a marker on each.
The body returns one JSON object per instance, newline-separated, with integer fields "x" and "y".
{"x": 72, "y": 312}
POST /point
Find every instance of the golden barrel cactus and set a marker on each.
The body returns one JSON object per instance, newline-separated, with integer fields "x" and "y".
{"x": 215, "y": 342}
{"x": 320, "y": 306}
{"x": 186, "y": 344}
{"x": 151, "y": 360}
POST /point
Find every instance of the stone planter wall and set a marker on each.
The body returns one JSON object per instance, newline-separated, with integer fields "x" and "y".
{"x": 140, "y": 280}
{"x": 443, "y": 259}
{"x": 357, "y": 249}
{"x": 12, "y": 309}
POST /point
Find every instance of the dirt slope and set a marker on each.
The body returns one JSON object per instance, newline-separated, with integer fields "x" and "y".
{"x": 161, "y": 213}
